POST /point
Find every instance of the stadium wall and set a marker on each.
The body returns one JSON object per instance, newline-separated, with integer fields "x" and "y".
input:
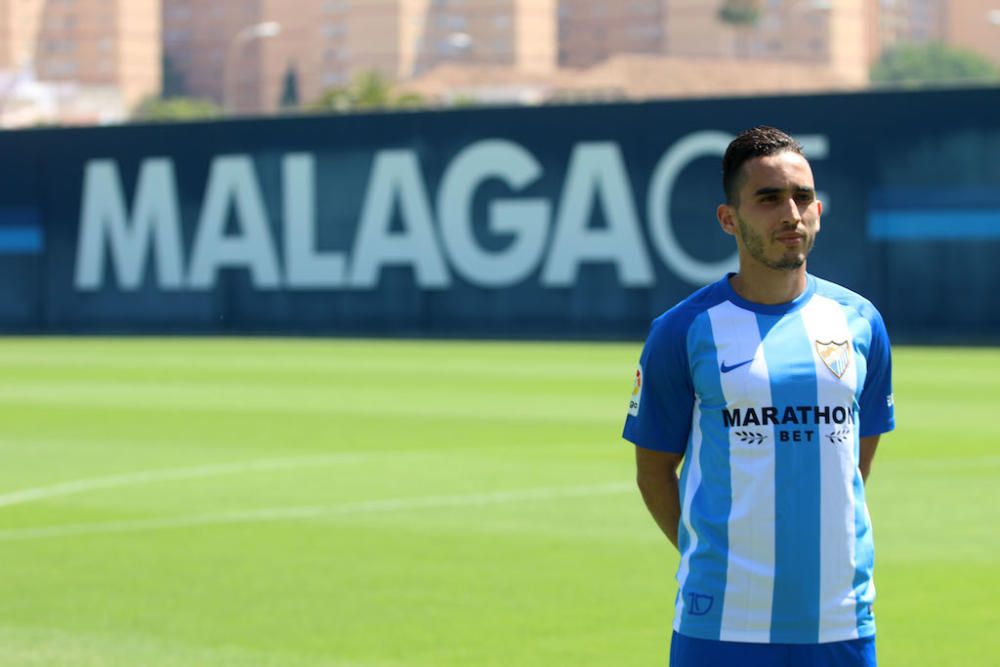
{"x": 550, "y": 222}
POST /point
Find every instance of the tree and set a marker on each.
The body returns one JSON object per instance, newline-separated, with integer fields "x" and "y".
{"x": 290, "y": 90}
{"x": 914, "y": 65}
{"x": 159, "y": 109}
{"x": 740, "y": 13}
{"x": 369, "y": 90}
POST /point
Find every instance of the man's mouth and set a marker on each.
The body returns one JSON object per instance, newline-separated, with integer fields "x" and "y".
{"x": 790, "y": 239}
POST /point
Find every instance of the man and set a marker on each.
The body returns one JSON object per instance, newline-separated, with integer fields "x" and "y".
{"x": 773, "y": 387}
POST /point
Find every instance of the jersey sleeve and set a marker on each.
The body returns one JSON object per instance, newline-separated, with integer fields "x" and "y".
{"x": 876, "y": 404}
{"x": 662, "y": 401}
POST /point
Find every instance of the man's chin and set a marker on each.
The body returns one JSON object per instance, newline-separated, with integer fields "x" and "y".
{"x": 789, "y": 263}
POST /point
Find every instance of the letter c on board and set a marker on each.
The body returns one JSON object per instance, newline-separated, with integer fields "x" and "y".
{"x": 661, "y": 230}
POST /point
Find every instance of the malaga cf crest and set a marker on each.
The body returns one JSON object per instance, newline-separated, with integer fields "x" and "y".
{"x": 836, "y": 356}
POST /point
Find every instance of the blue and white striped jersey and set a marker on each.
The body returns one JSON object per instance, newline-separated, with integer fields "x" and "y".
{"x": 767, "y": 403}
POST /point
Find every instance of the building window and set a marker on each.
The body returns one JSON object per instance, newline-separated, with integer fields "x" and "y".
{"x": 644, "y": 8}
{"x": 771, "y": 22}
{"x": 334, "y": 79}
{"x": 178, "y": 13}
{"x": 62, "y": 68}
{"x": 171, "y": 37}
{"x": 63, "y": 46}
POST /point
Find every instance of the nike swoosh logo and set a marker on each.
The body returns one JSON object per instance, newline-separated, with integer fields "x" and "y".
{"x": 726, "y": 369}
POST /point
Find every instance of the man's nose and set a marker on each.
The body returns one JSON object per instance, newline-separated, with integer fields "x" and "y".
{"x": 790, "y": 213}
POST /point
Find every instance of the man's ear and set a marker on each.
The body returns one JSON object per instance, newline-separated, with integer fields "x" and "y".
{"x": 727, "y": 218}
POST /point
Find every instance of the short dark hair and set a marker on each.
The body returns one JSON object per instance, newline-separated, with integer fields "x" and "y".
{"x": 756, "y": 142}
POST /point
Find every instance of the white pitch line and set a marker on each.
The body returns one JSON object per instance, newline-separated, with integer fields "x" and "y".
{"x": 316, "y": 511}
{"x": 171, "y": 474}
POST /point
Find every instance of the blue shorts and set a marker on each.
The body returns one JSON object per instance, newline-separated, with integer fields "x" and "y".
{"x": 690, "y": 652}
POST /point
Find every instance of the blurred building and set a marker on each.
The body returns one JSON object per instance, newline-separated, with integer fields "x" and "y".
{"x": 77, "y": 61}
{"x": 838, "y": 40}
{"x": 29, "y": 102}
{"x": 629, "y": 77}
{"x": 591, "y": 31}
{"x": 640, "y": 49}
{"x": 517, "y": 33}
{"x": 909, "y": 21}
{"x": 223, "y": 50}
{"x": 969, "y": 24}
{"x": 521, "y": 50}
{"x": 973, "y": 24}
{"x": 20, "y": 24}
{"x": 211, "y": 50}
{"x": 214, "y": 52}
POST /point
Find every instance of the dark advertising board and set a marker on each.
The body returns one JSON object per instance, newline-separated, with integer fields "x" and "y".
{"x": 551, "y": 222}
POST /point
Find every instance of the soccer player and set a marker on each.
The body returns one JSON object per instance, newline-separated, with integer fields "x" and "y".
{"x": 772, "y": 386}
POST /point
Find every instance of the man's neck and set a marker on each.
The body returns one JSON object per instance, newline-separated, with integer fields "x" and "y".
{"x": 767, "y": 286}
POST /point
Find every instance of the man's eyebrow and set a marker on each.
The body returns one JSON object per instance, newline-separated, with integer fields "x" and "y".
{"x": 774, "y": 190}
{"x": 767, "y": 191}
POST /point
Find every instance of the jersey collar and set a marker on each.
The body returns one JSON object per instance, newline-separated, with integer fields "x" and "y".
{"x": 769, "y": 309}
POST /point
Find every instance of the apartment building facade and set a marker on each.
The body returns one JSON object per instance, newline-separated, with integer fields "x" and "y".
{"x": 214, "y": 50}
{"x": 97, "y": 43}
{"x": 974, "y": 25}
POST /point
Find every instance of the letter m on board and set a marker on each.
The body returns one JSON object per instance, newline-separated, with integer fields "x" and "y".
{"x": 105, "y": 226}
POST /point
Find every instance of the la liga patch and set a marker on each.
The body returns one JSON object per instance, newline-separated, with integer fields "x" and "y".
{"x": 633, "y": 404}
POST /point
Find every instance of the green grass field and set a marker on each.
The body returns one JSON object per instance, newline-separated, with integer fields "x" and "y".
{"x": 314, "y": 502}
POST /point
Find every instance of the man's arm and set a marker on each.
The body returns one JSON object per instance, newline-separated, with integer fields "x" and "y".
{"x": 656, "y": 474}
{"x": 867, "y": 454}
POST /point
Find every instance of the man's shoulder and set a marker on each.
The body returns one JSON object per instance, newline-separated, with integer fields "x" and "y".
{"x": 847, "y": 298}
{"x": 675, "y": 322}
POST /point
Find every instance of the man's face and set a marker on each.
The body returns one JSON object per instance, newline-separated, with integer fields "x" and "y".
{"x": 776, "y": 218}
